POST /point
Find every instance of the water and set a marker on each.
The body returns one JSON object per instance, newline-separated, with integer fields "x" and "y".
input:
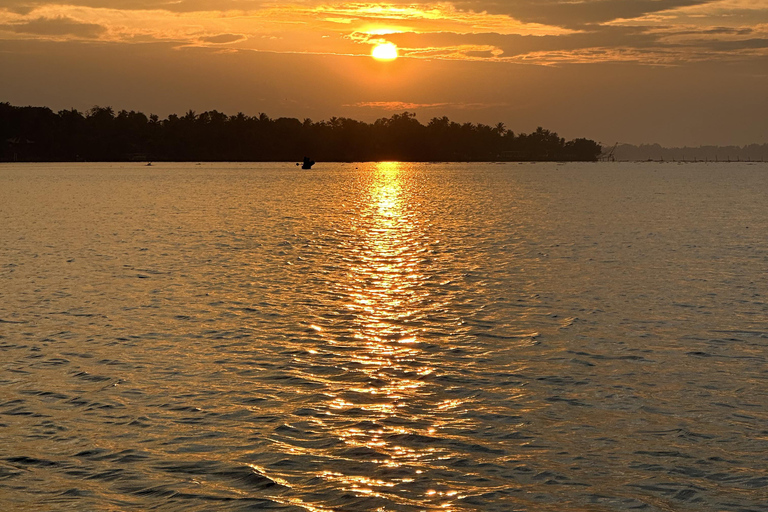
{"x": 531, "y": 337}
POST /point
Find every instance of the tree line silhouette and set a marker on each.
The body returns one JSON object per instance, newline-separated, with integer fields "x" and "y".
{"x": 100, "y": 134}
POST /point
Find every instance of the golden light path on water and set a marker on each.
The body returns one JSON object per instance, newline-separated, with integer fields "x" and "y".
{"x": 383, "y": 278}
{"x": 382, "y": 384}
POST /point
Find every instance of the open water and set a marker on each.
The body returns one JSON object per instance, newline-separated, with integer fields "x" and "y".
{"x": 393, "y": 337}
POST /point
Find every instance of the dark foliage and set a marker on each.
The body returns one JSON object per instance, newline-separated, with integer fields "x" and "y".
{"x": 39, "y": 134}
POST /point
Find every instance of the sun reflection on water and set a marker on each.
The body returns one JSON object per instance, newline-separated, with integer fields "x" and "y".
{"x": 383, "y": 284}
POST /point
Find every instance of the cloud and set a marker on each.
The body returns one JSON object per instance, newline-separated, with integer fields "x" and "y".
{"x": 26, "y": 6}
{"x": 715, "y": 31}
{"x": 57, "y": 27}
{"x": 563, "y": 13}
{"x": 568, "y": 13}
{"x": 395, "y": 105}
{"x": 407, "y": 105}
{"x": 514, "y": 44}
{"x": 672, "y": 45}
{"x": 745, "y": 44}
{"x": 480, "y": 54}
{"x": 223, "y": 38}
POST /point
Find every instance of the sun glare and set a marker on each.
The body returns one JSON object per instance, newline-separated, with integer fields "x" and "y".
{"x": 386, "y": 51}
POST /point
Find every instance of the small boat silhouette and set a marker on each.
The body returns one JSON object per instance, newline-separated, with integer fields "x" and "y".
{"x": 307, "y": 163}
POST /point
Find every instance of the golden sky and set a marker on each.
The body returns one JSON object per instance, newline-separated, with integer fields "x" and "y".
{"x": 669, "y": 71}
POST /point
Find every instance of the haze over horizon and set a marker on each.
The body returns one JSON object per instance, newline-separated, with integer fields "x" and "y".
{"x": 673, "y": 72}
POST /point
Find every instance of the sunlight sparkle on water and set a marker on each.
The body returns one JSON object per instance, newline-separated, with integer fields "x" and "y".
{"x": 383, "y": 285}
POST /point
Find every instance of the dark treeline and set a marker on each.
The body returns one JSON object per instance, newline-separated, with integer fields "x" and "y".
{"x": 39, "y": 134}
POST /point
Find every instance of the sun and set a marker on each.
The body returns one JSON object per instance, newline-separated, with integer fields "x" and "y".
{"x": 385, "y": 51}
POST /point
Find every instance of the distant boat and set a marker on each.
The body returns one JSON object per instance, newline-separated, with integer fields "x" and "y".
{"x": 307, "y": 164}
{"x": 149, "y": 164}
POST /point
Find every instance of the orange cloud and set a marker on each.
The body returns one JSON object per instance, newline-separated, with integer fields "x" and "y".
{"x": 406, "y": 105}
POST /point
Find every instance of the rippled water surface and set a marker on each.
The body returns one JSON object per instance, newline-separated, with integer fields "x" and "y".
{"x": 531, "y": 337}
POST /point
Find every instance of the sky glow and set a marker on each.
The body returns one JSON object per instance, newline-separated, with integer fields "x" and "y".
{"x": 508, "y": 38}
